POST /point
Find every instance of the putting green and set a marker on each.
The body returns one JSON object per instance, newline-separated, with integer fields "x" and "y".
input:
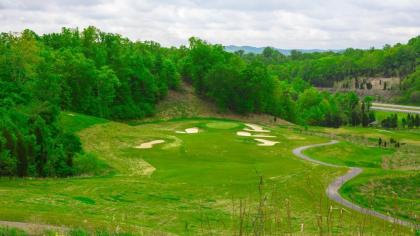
{"x": 222, "y": 125}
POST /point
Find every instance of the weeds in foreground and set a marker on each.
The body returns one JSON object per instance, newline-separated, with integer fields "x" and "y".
{"x": 271, "y": 213}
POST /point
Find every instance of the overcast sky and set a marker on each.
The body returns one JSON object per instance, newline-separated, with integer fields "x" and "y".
{"x": 305, "y": 24}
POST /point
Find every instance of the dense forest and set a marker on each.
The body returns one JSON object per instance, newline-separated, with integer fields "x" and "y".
{"x": 251, "y": 87}
{"x": 89, "y": 72}
{"x": 324, "y": 68}
{"x": 107, "y": 75}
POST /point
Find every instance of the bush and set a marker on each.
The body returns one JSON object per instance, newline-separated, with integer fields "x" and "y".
{"x": 89, "y": 164}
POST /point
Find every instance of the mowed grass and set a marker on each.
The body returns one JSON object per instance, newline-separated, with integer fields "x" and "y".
{"x": 193, "y": 184}
{"x": 391, "y": 191}
{"x": 74, "y": 122}
{"x": 348, "y": 154}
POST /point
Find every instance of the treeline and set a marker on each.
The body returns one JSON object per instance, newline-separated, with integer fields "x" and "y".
{"x": 31, "y": 144}
{"x": 110, "y": 76}
{"x": 85, "y": 71}
{"x": 253, "y": 87}
{"x": 106, "y": 75}
{"x": 325, "y": 68}
{"x": 410, "y": 121}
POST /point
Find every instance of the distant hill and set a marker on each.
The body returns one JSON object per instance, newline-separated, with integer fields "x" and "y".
{"x": 257, "y": 50}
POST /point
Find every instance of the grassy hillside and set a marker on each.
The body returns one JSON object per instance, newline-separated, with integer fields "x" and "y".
{"x": 184, "y": 103}
{"x": 201, "y": 183}
{"x": 213, "y": 182}
{"x": 74, "y": 122}
{"x": 390, "y": 179}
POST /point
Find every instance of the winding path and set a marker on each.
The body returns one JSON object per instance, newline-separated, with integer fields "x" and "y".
{"x": 332, "y": 190}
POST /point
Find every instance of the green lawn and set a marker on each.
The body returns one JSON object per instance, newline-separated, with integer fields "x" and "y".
{"x": 74, "y": 122}
{"x": 348, "y": 154}
{"x": 204, "y": 183}
{"x": 392, "y": 191}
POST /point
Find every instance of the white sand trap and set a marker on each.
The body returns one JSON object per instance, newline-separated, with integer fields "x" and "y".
{"x": 245, "y": 134}
{"x": 264, "y": 142}
{"x": 150, "y": 144}
{"x": 255, "y": 128}
{"x": 188, "y": 131}
{"x": 263, "y": 136}
{"x": 248, "y": 134}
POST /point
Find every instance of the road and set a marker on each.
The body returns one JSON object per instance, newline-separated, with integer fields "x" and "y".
{"x": 332, "y": 190}
{"x": 395, "y": 108}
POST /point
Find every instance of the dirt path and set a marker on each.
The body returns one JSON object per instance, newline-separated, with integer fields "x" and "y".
{"x": 332, "y": 190}
{"x": 32, "y": 228}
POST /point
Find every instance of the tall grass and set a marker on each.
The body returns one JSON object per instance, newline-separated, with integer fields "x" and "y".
{"x": 272, "y": 214}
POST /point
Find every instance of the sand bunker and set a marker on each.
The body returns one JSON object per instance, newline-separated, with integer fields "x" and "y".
{"x": 255, "y": 128}
{"x": 150, "y": 144}
{"x": 193, "y": 130}
{"x": 245, "y": 134}
{"x": 248, "y": 134}
{"x": 264, "y": 142}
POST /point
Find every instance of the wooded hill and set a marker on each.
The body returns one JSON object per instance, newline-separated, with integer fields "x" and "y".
{"x": 324, "y": 68}
{"x": 109, "y": 76}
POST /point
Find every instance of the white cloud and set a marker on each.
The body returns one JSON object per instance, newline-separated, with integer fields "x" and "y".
{"x": 284, "y": 24}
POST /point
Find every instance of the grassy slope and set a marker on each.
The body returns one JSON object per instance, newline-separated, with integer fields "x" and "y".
{"x": 348, "y": 154}
{"x": 185, "y": 104}
{"x": 195, "y": 180}
{"x": 192, "y": 188}
{"x": 74, "y": 122}
{"x": 393, "y": 191}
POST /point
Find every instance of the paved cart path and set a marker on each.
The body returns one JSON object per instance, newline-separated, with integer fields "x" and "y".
{"x": 332, "y": 190}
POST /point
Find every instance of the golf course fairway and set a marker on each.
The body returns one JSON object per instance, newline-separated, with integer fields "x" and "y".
{"x": 208, "y": 182}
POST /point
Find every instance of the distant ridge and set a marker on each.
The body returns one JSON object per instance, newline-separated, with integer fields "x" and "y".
{"x": 258, "y": 50}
